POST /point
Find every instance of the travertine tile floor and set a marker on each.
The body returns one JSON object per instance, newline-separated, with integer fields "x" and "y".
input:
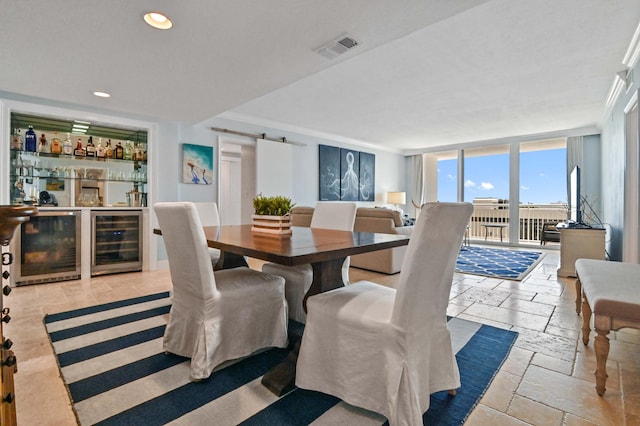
{"x": 546, "y": 380}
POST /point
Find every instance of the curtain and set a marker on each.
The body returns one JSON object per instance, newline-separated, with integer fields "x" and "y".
{"x": 417, "y": 196}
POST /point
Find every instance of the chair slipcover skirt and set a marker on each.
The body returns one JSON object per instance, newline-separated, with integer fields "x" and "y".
{"x": 249, "y": 315}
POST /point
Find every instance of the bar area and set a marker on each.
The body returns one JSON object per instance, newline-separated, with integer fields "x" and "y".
{"x": 89, "y": 181}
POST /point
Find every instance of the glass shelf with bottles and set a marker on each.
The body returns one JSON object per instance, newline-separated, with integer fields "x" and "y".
{"x": 34, "y": 173}
{"x": 46, "y": 165}
{"x": 84, "y": 147}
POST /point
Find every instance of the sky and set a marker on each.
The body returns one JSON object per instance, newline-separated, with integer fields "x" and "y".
{"x": 542, "y": 177}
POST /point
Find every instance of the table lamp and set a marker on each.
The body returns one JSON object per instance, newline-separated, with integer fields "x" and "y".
{"x": 397, "y": 198}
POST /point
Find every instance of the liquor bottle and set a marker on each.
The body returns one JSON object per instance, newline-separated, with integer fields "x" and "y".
{"x": 17, "y": 142}
{"x": 128, "y": 151}
{"x": 67, "y": 146}
{"x": 79, "y": 151}
{"x": 56, "y": 145}
{"x": 100, "y": 149}
{"x": 108, "y": 152}
{"x": 30, "y": 140}
{"x": 119, "y": 151}
{"x": 91, "y": 148}
{"x": 44, "y": 146}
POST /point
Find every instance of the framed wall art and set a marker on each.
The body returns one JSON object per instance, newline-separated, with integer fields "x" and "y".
{"x": 367, "y": 177}
{"x": 346, "y": 175}
{"x": 329, "y": 173}
{"x": 197, "y": 164}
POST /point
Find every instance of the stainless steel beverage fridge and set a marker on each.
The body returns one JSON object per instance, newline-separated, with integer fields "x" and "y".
{"x": 116, "y": 241}
{"x": 48, "y": 248}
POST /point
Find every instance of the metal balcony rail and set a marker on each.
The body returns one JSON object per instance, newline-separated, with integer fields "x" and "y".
{"x": 532, "y": 218}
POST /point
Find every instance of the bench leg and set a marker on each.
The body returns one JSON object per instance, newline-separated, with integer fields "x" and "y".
{"x": 586, "y": 318}
{"x": 602, "y": 353}
{"x": 578, "y": 295}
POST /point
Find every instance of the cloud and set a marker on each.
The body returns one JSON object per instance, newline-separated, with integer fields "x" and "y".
{"x": 451, "y": 177}
{"x": 524, "y": 188}
{"x": 487, "y": 186}
{"x": 469, "y": 183}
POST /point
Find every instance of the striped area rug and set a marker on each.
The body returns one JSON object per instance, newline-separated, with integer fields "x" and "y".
{"x": 112, "y": 362}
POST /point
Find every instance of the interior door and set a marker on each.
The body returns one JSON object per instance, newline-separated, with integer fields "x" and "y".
{"x": 230, "y": 188}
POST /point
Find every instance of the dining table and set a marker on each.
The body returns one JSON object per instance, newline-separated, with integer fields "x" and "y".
{"x": 324, "y": 249}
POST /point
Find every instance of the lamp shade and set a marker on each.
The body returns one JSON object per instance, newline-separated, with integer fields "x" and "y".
{"x": 397, "y": 197}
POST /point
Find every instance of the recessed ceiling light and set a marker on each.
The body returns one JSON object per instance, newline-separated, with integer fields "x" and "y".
{"x": 158, "y": 20}
{"x": 102, "y": 94}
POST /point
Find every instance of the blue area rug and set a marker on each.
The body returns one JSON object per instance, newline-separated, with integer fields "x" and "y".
{"x": 497, "y": 263}
{"x": 112, "y": 362}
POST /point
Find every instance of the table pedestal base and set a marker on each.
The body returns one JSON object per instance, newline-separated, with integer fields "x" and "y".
{"x": 229, "y": 261}
{"x": 281, "y": 379}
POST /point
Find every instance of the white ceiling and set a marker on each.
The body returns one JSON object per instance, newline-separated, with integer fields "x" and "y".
{"x": 426, "y": 73}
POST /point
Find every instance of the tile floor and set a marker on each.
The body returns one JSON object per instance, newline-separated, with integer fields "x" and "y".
{"x": 546, "y": 380}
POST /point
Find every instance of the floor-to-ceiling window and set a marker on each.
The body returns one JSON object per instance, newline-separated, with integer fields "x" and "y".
{"x": 447, "y": 176}
{"x": 542, "y": 186}
{"x": 515, "y": 188}
{"x": 486, "y": 185}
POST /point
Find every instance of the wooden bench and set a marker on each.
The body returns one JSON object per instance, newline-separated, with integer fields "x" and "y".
{"x": 611, "y": 291}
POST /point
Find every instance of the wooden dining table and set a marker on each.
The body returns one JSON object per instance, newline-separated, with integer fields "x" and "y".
{"x": 326, "y": 251}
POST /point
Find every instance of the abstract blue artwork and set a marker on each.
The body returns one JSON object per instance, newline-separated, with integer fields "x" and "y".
{"x": 346, "y": 175}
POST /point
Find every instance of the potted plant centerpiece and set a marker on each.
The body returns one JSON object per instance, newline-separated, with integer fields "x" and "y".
{"x": 271, "y": 215}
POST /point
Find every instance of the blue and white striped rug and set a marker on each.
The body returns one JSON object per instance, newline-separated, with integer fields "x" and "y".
{"x": 497, "y": 262}
{"x": 112, "y": 362}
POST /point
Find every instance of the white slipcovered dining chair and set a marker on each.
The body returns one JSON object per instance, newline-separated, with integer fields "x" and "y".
{"x": 218, "y": 316}
{"x": 209, "y": 216}
{"x": 298, "y": 279}
{"x": 383, "y": 349}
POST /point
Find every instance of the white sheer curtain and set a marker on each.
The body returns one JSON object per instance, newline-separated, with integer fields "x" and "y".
{"x": 417, "y": 176}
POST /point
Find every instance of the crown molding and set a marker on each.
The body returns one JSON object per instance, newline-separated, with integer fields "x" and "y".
{"x": 633, "y": 51}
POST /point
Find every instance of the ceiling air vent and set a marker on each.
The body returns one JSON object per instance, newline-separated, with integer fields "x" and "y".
{"x": 337, "y": 47}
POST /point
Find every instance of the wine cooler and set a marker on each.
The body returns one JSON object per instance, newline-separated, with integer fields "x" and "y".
{"x": 116, "y": 242}
{"x": 48, "y": 246}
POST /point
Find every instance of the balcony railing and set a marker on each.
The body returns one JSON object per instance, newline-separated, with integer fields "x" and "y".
{"x": 532, "y": 219}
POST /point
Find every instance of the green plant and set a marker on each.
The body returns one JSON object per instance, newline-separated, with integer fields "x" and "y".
{"x": 272, "y": 206}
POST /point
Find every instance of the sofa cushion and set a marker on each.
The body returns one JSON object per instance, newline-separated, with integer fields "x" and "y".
{"x": 380, "y": 212}
{"x": 301, "y": 216}
{"x": 404, "y": 230}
